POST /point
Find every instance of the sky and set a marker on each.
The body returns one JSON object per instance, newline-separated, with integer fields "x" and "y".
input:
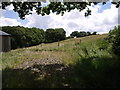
{"x": 103, "y": 19}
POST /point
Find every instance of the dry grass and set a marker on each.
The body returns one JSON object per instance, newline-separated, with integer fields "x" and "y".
{"x": 64, "y": 51}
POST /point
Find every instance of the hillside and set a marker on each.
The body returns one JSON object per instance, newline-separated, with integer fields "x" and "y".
{"x": 42, "y": 51}
{"x": 77, "y": 62}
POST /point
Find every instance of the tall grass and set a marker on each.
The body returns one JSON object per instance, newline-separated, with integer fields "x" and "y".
{"x": 89, "y": 63}
{"x": 68, "y": 51}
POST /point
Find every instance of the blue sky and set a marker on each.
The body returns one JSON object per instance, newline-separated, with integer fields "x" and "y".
{"x": 104, "y": 7}
{"x": 100, "y": 18}
{"x": 14, "y": 15}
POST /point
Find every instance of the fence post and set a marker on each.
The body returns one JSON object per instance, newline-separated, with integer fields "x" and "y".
{"x": 41, "y": 45}
{"x": 80, "y": 40}
{"x": 58, "y": 43}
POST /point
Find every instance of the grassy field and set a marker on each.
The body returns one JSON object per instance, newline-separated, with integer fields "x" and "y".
{"x": 76, "y": 63}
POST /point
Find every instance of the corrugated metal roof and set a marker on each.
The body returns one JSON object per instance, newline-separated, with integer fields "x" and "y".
{"x": 3, "y": 33}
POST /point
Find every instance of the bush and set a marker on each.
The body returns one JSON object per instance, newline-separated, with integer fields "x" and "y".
{"x": 114, "y": 39}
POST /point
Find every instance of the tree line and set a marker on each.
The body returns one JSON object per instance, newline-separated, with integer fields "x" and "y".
{"x": 25, "y": 37}
{"x": 82, "y": 34}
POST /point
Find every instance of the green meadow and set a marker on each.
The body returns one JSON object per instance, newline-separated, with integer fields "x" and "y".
{"x": 86, "y": 62}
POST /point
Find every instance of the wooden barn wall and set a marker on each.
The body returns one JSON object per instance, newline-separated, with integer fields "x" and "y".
{"x": 6, "y": 44}
{"x": 0, "y": 43}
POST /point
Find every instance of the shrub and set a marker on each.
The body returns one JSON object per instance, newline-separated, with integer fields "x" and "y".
{"x": 114, "y": 39}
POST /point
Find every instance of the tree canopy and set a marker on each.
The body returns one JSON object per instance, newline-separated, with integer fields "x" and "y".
{"x": 25, "y": 8}
{"x": 114, "y": 39}
{"x": 24, "y": 37}
{"x": 82, "y": 34}
{"x": 54, "y": 35}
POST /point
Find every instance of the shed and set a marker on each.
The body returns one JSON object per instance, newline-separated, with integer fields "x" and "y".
{"x": 5, "y": 42}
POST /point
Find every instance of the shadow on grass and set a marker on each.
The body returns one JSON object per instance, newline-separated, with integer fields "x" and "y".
{"x": 37, "y": 76}
{"x": 92, "y": 72}
{"x": 98, "y": 72}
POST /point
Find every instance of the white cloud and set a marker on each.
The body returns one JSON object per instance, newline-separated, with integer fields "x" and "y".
{"x": 101, "y": 22}
{"x": 2, "y": 12}
{"x": 75, "y": 20}
{"x": 38, "y": 21}
{"x": 10, "y": 7}
{"x": 8, "y": 22}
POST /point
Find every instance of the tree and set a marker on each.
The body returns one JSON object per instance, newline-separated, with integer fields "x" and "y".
{"x": 25, "y": 8}
{"x": 74, "y": 34}
{"x": 88, "y": 33}
{"x": 82, "y": 34}
{"x": 116, "y": 43}
{"x": 114, "y": 39}
{"x": 54, "y": 35}
{"x": 78, "y": 34}
{"x": 49, "y": 35}
{"x": 24, "y": 37}
{"x": 94, "y": 33}
{"x": 60, "y": 34}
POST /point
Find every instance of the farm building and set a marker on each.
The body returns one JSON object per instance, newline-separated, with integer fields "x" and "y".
{"x": 5, "y": 42}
